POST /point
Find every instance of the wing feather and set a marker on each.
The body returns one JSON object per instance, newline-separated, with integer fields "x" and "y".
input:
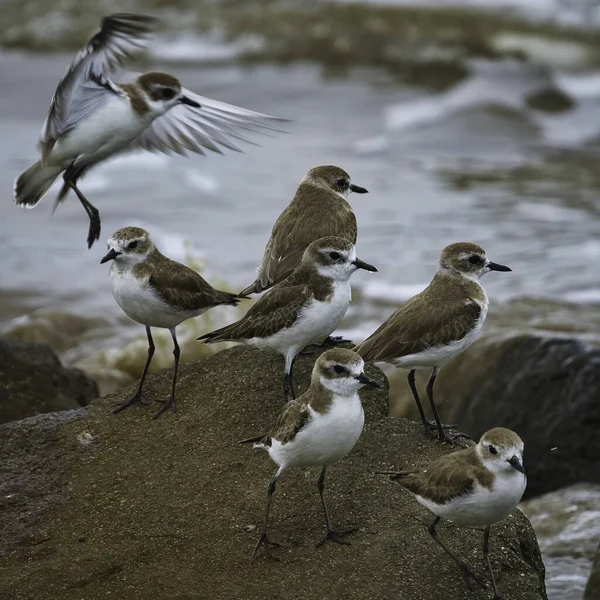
{"x": 85, "y": 86}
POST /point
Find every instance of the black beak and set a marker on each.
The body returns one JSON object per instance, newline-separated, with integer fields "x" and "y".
{"x": 517, "y": 464}
{"x": 367, "y": 380}
{"x": 492, "y": 266}
{"x": 358, "y": 190}
{"x": 112, "y": 253}
{"x": 189, "y": 102}
{"x": 359, "y": 264}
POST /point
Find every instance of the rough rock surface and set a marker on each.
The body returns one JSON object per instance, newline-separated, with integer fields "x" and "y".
{"x": 544, "y": 387}
{"x": 136, "y": 508}
{"x": 592, "y": 589}
{"x": 32, "y": 381}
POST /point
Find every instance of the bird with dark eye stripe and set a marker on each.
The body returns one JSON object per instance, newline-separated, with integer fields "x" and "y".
{"x": 319, "y": 209}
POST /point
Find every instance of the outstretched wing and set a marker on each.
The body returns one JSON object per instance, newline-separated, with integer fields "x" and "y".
{"x": 212, "y": 125}
{"x": 85, "y": 86}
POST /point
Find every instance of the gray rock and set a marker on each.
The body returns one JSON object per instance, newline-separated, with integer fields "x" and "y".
{"x": 172, "y": 508}
{"x": 32, "y": 381}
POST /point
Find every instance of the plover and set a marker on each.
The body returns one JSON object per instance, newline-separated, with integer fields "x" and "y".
{"x": 92, "y": 118}
{"x": 319, "y": 209}
{"x": 437, "y": 324}
{"x": 476, "y": 487}
{"x": 318, "y": 429}
{"x": 156, "y": 292}
{"x": 301, "y": 310}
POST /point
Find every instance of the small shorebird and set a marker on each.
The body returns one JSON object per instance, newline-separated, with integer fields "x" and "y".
{"x": 434, "y": 326}
{"x": 301, "y": 310}
{"x": 92, "y": 118}
{"x": 317, "y": 429}
{"x": 319, "y": 209}
{"x": 156, "y": 292}
{"x": 476, "y": 487}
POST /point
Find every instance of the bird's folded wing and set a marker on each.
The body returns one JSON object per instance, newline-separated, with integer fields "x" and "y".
{"x": 85, "y": 85}
{"x": 214, "y": 124}
{"x": 416, "y": 327}
{"x": 185, "y": 290}
{"x": 292, "y": 419}
{"x": 443, "y": 480}
{"x": 290, "y": 238}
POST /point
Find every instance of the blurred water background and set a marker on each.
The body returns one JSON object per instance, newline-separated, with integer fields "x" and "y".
{"x": 472, "y": 120}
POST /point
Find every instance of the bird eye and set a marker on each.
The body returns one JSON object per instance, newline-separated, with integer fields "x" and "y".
{"x": 492, "y": 450}
{"x": 132, "y": 245}
{"x": 168, "y": 93}
{"x": 339, "y": 369}
{"x": 335, "y": 255}
{"x": 475, "y": 260}
{"x": 341, "y": 182}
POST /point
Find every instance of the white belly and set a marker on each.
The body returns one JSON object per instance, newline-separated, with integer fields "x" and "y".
{"x": 315, "y": 322}
{"x": 107, "y": 130}
{"x": 139, "y": 301}
{"x": 483, "y": 507}
{"x": 437, "y": 356}
{"x": 326, "y": 439}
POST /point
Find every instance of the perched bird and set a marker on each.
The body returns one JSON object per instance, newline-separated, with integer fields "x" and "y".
{"x": 319, "y": 209}
{"x": 92, "y": 118}
{"x": 156, "y": 292}
{"x": 437, "y": 324}
{"x": 476, "y": 487}
{"x": 318, "y": 429}
{"x": 301, "y": 310}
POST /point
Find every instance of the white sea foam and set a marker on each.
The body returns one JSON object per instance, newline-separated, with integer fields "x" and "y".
{"x": 390, "y": 291}
{"x": 201, "y": 181}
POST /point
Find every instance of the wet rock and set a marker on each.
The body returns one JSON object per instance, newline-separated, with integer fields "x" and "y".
{"x": 546, "y": 388}
{"x": 32, "y": 381}
{"x": 550, "y": 99}
{"x": 172, "y": 508}
{"x": 592, "y": 589}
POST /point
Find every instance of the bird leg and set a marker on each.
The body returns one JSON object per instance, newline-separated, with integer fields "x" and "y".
{"x": 429, "y": 425}
{"x": 336, "y": 536}
{"x": 90, "y": 209}
{"x": 263, "y": 540}
{"x": 467, "y": 573}
{"x": 486, "y": 555}
{"x": 170, "y": 402}
{"x": 442, "y": 435}
{"x": 288, "y": 385}
{"x": 138, "y": 393}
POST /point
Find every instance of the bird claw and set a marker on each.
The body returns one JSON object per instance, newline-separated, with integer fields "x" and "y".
{"x": 137, "y": 397}
{"x": 337, "y": 536}
{"x": 432, "y": 426}
{"x": 166, "y": 405}
{"x": 452, "y": 437}
{"x": 335, "y": 340}
{"x": 268, "y": 545}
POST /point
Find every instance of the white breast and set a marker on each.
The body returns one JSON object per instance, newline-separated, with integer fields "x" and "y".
{"x": 483, "y": 506}
{"x": 315, "y": 322}
{"x": 141, "y": 303}
{"x": 108, "y": 129}
{"x": 326, "y": 439}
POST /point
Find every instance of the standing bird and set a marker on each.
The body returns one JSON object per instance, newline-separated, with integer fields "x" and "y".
{"x": 91, "y": 118}
{"x": 318, "y": 429}
{"x": 436, "y": 325}
{"x": 156, "y": 292}
{"x": 476, "y": 487}
{"x": 301, "y": 310}
{"x": 319, "y": 209}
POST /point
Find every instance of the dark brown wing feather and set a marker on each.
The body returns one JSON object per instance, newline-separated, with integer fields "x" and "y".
{"x": 274, "y": 311}
{"x": 184, "y": 289}
{"x": 292, "y": 419}
{"x": 446, "y": 477}
{"x": 314, "y": 213}
{"x": 415, "y": 327}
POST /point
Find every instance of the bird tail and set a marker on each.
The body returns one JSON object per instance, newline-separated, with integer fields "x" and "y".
{"x": 32, "y": 184}
{"x": 230, "y": 298}
{"x": 394, "y": 475}
{"x": 219, "y": 335}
